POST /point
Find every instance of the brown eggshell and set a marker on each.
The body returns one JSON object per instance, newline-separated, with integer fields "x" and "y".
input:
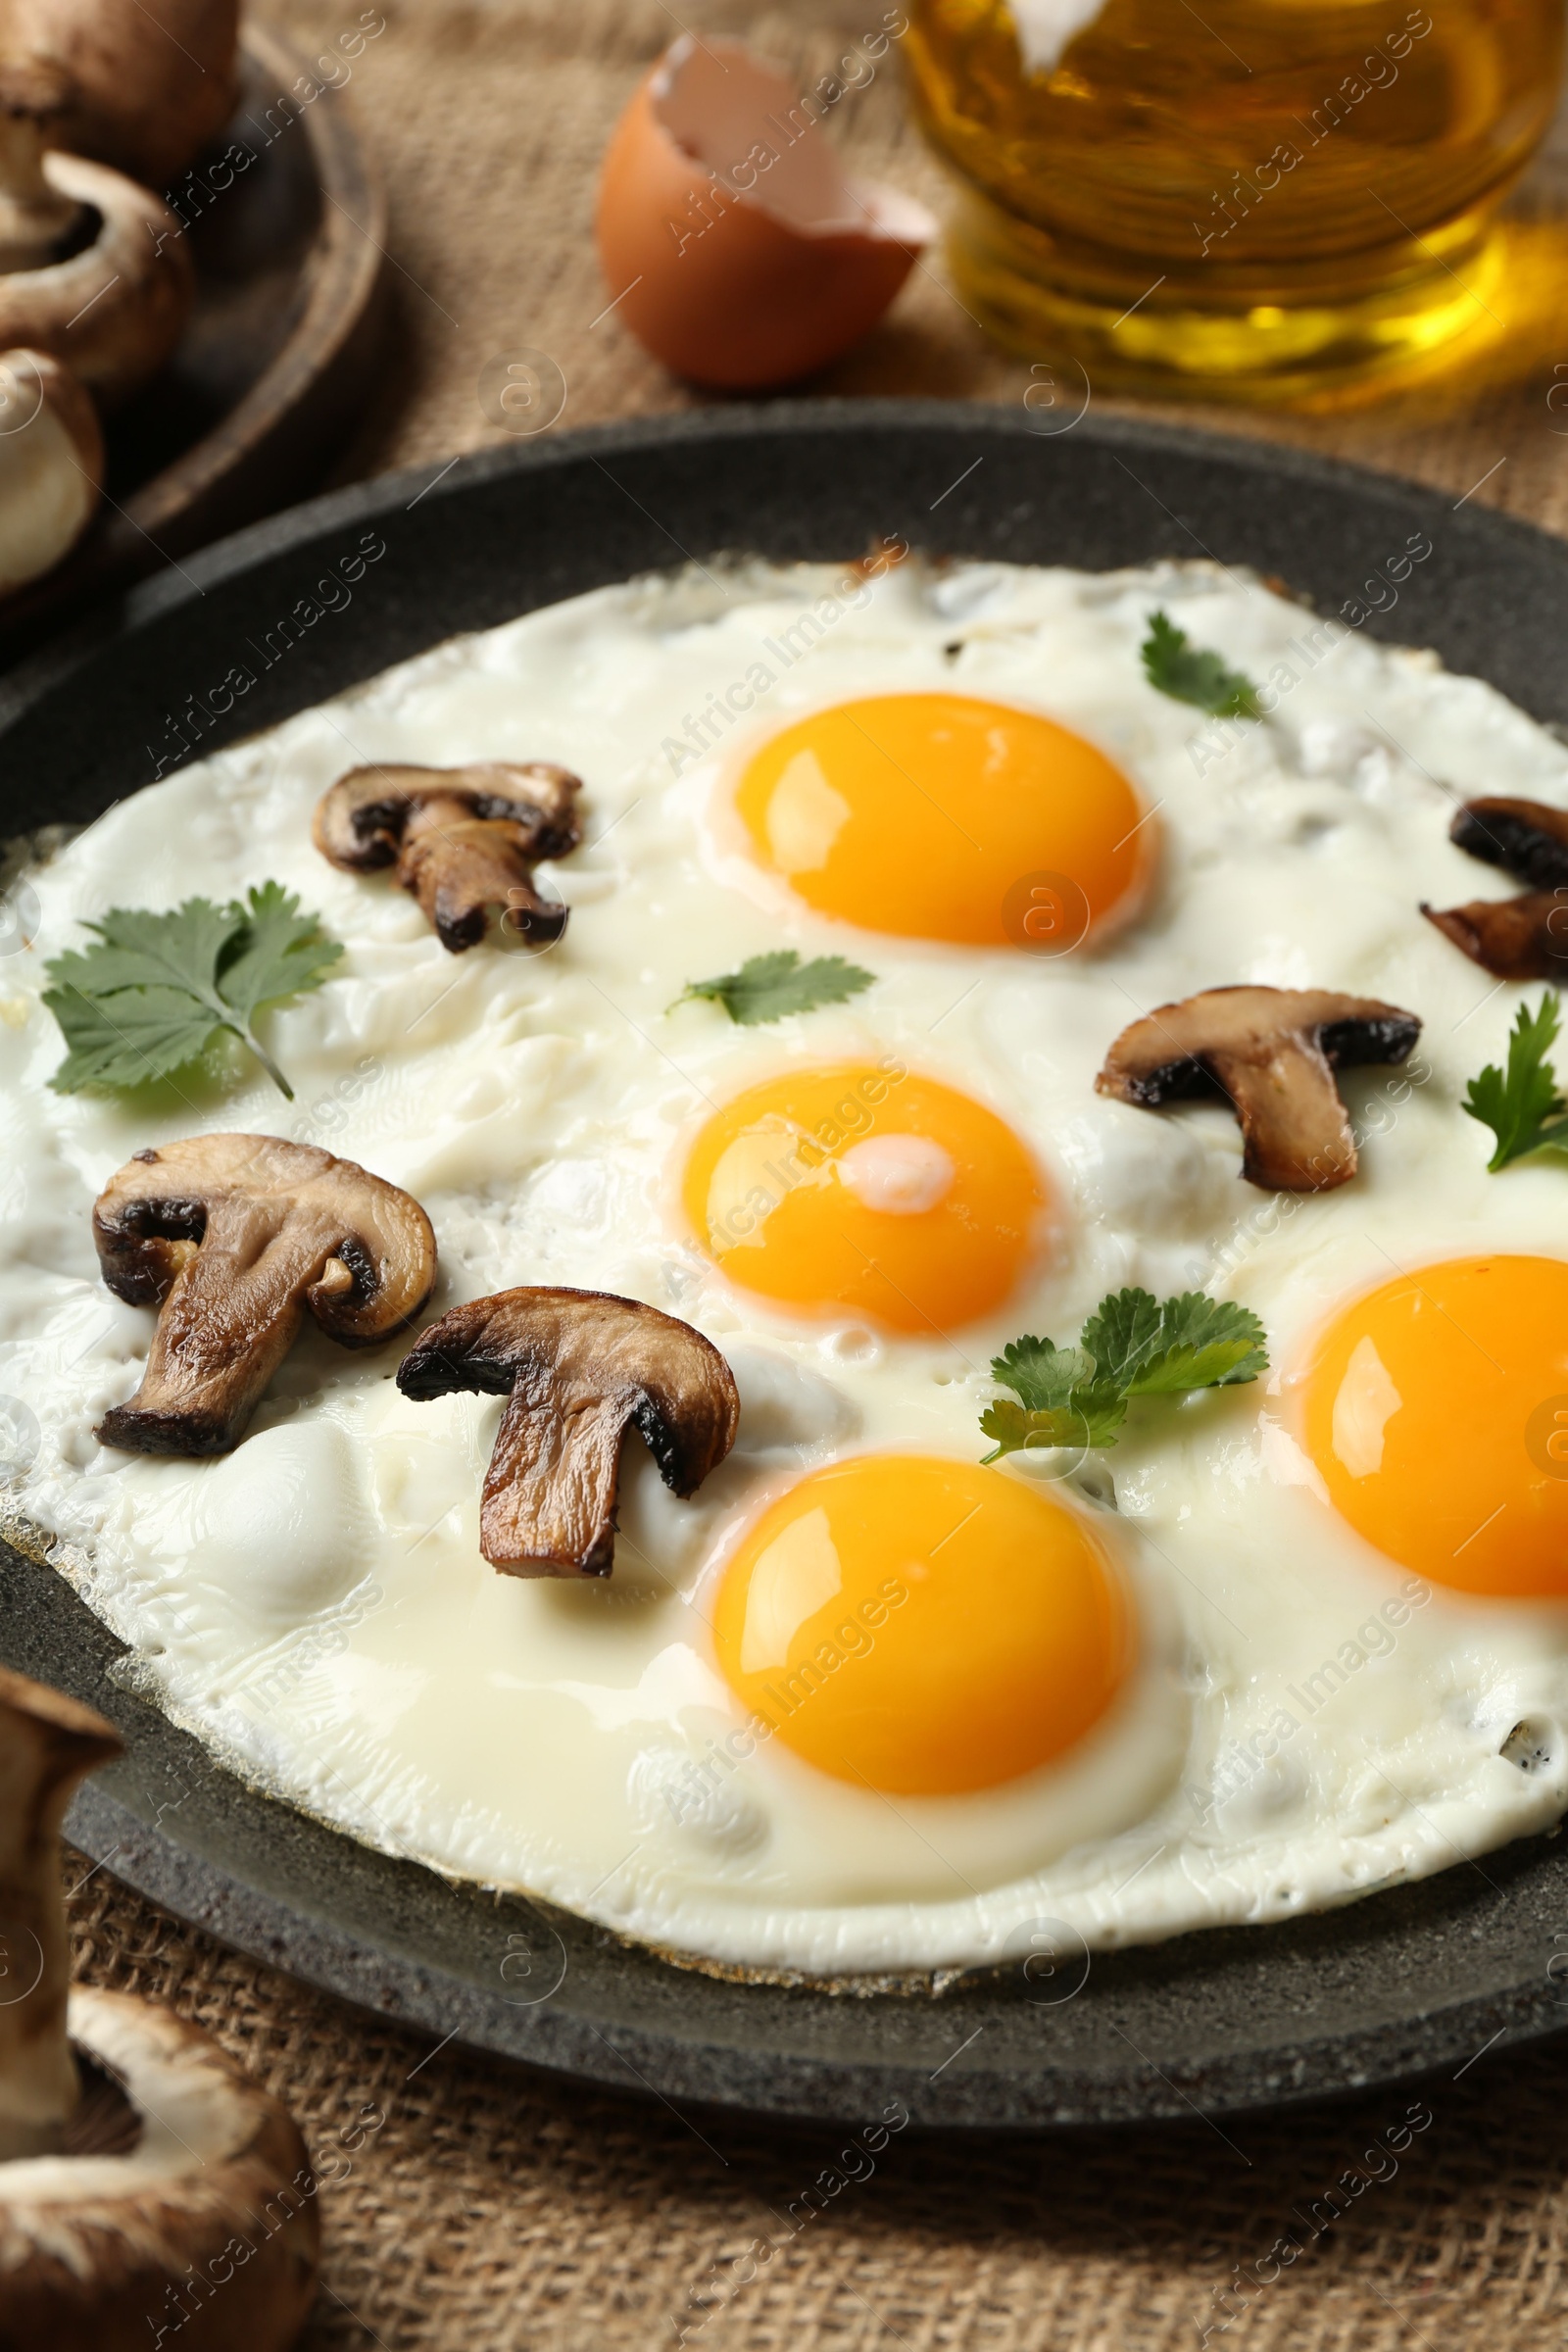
{"x": 738, "y": 272}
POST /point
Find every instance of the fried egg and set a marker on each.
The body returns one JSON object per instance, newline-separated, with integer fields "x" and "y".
{"x": 918, "y": 813}
{"x": 866, "y": 1705}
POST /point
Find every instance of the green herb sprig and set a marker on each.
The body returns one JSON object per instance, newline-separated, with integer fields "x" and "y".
{"x": 1521, "y": 1103}
{"x": 153, "y": 991}
{"x": 1132, "y": 1346}
{"x": 1189, "y": 675}
{"x": 768, "y": 987}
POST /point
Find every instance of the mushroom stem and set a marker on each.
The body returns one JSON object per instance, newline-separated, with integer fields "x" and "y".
{"x": 230, "y": 1316}
{"x": 36, "y": 220}
{"x": 47, "y": 1744}
{"x": 552, "y": 1487}
{"x": 459, "y": 865}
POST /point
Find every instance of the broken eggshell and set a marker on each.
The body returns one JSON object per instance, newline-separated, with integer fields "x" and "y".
{"x": 741, "y": 252}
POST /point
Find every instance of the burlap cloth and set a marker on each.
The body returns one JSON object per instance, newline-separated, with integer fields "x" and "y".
{"x": 490, "y": 2209}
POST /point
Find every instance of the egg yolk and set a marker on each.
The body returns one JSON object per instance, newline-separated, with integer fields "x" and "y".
{"x": 868, "y": 1188}
{"x": 1436, "y": 1411}
{"x": 940, "y": 816}
{"x": 923, "y": 1627}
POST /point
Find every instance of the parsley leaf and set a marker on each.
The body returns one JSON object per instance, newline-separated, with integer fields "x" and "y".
{"x": 281, "y": 954}
{"x": 1132, "y": 1346}
{"x": 1521, "y": 1107}
{"x": 153, "y": 990}
{"x": 1192, "y": 1341}
{"x": 768, "y": 987}
{"x": 1060, "y": 1399}
{"x": 1041, "y": 1373}
{"x": 1189, "y": 675}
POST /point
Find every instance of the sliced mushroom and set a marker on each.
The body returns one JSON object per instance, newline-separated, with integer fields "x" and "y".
{"x": 164, "y": 2191}
{"x": 51, "y": 466}
{"x": 1515, "y": 939}
{"x": 97, "y": 274}
{"x": 1272, "y": 1052}
{"x": 151, "y": 83}
{"x": 232, "y": 1237}
{"x": 1525, "y": 838}
{"x": 464, "y": 839}
{"x": 579, "y": 1367}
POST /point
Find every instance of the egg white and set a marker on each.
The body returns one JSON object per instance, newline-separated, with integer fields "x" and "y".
{"x": 1305, "y": 1721}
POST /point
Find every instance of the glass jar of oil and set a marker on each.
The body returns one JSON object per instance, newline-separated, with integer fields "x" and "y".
{"x": 1241, "y": 199}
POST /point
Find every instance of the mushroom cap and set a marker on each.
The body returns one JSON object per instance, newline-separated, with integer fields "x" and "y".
{"x": 579, "y": 1366}
{"x": 115, "y": 310}
{"x": 161, "y": 1200}
{"x": 51, "y": 464}
{"x": 360, "y": 823}
{"x": 213, "y": 2203}
{"x": 153, "y": 85}
{"x": 233, "y": 1237}
{"x": 1271, "y": 1053}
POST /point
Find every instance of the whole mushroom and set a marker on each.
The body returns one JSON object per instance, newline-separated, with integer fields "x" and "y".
{"x": 51, "y": 466}
{"x": 92, "y": 267}
{"x": 234, "y": 1238}
{"x": 145, "y": 2184}
{"x": 154, "y": 80}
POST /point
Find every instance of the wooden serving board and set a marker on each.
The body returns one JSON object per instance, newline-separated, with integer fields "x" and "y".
{"x": 274, "y": 365}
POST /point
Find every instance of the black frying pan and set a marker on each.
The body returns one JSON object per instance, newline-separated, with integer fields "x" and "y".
{"x": 1407, "y": 1980}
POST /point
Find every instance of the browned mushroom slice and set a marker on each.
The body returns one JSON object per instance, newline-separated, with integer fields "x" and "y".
{"x": 233, "y": 1238}
{"x": 1272, "y": 1052}
{"x": 464, "y": 839}
{"x": 1514, "y": 939}
{"x": 579, "y": 1367}
{"x": 1525, "y": 838}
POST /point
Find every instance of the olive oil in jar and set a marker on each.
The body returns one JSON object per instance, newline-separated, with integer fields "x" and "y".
{"x": 1257, "y": 200}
